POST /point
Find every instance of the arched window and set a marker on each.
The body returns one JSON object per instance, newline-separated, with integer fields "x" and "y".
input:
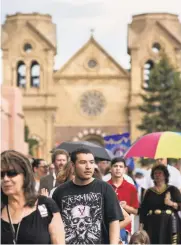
{"x": 21, "y": 74}
{"x": 35, "y": 74}
{"x": 148, "y": 66}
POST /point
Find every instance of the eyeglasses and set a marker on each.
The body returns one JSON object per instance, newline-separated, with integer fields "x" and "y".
{"x": 10, "y": 173}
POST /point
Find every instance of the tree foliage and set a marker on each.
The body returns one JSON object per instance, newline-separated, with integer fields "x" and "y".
{"x": 31, "y": 142}
{"x": 161, "y": 106}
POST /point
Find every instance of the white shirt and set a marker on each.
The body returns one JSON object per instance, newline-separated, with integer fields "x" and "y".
{"x": 107, "y": 177}
{"x": 54, "y": 179}
{"x": 37, "y": 185}
{"x": 52, "y": 191}
{"x": 174, "y": 178}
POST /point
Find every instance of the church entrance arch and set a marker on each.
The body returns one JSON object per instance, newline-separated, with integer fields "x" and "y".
{"x": 95, "y": 139}
{"x": 95, "y": 136}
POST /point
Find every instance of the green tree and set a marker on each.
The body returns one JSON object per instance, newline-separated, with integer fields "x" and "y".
{"x": 161, "y": 106}
{"x": 31, "y": 142}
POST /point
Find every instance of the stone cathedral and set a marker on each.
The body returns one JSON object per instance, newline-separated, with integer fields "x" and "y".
{"x": 91, "y": 95}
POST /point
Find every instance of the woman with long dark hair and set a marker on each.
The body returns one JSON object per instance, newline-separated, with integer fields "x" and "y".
{"x": 159, "y": 209}
{"x": 26, "y": 218}
{"x": 66, "y": 173}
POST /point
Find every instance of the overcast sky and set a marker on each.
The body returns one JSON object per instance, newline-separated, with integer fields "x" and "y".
{"x": 75, "y": 18}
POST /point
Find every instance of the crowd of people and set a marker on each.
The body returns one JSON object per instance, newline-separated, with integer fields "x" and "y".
{"x": 79, "y": 199}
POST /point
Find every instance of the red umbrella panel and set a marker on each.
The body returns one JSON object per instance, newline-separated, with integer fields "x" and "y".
{"x": 157, "y": 145}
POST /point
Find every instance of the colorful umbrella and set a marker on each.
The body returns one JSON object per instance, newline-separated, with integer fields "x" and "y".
{"x": 157, "y": 145}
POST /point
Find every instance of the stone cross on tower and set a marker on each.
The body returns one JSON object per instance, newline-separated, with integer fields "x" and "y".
{"x": 92, "y": 31}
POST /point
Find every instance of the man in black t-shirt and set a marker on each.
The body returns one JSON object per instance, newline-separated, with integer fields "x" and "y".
{"x": 89, "y": 207}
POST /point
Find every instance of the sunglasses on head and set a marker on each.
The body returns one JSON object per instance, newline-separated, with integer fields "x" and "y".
{"x": 10, "y": 173}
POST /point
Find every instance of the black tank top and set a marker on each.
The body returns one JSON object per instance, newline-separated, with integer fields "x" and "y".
{"x": 34, "y": 227}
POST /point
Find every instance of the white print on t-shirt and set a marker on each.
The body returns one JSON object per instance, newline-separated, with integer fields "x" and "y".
{"x": 82, "y": 217}
{"x": 43, "y": 210}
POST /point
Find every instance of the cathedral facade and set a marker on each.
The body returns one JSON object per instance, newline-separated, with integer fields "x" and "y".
{"x": 91, "y": 95}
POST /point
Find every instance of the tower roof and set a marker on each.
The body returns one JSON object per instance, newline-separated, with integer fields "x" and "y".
{"x": 155, "y": 16}
{"x": 28, "y": 16}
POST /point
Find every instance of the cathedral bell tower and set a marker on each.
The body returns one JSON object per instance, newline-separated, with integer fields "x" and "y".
{"x": 148, "y": 35}
{"x": 29, "y": 47}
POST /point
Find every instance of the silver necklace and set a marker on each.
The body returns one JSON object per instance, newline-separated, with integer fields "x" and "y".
{"x": 15, "y": 233}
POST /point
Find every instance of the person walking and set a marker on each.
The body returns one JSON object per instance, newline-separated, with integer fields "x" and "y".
{"x": 174, "y": 179}
{"x": 59, "y": 159}
{"x": 65, "y": 174}
{"x": 126, "y": 192}
{"x": 26, "y": 217}
{"x": 40, "y": 169}
{"x": 159, "y": 209}
{"x": 89, "y": 207}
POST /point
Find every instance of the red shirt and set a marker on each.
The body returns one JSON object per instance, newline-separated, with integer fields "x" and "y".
{"x": 126, "y": 192}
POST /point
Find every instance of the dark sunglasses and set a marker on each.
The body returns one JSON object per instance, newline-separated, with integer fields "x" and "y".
{"x": 10, "y": 173}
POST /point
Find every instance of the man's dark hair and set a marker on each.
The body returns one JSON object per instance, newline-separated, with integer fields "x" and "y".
{"x": 36, "y": 162}
{"x": 59, "y": 152}
{"x": 118, "y": 159}
{"x": 79, "y": 151}
{"x": 162, "y": 168}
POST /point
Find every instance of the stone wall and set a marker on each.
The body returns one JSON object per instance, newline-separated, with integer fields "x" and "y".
{"x": 12, "y": 120}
